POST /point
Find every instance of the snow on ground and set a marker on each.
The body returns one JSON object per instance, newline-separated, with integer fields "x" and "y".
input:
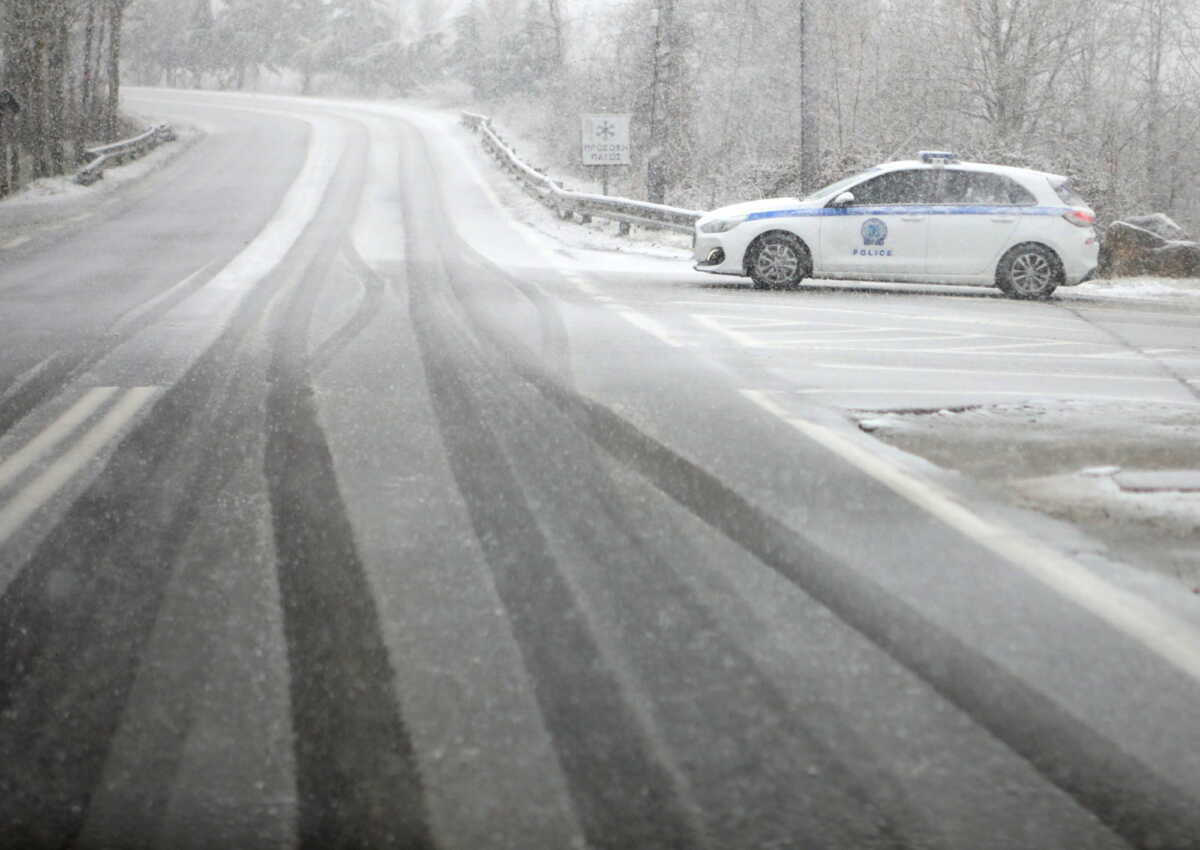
{"x": 51, "y": 202}
{"x": 1142, "y": 288}
{"x": 1065, "y": 459}
{"x": 598, "y": 235}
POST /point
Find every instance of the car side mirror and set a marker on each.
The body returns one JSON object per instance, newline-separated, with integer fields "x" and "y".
{"x": 843, "y": 200}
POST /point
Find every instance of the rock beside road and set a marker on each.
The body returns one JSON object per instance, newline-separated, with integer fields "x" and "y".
{"x": 1159, "y": 224}
{"x": 1130, "y": 249}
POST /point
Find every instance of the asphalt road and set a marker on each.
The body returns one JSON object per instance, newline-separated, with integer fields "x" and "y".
{"x": 337, "y": 509}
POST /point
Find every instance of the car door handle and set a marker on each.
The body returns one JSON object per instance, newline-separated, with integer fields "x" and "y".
{"x": 1004, "y": 220}
{"x": 912, "y": 218}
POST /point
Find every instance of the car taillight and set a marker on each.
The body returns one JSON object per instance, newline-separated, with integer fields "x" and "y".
{"x": 1080, "y": 218}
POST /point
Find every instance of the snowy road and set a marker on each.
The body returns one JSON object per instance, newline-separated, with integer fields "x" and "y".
{"x": 337, "y": 508}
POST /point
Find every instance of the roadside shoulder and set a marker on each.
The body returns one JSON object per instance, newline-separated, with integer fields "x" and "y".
{"x": 52, "y": 205}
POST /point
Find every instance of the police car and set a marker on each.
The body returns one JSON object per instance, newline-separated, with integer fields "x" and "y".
{"x": 930, "y": 220}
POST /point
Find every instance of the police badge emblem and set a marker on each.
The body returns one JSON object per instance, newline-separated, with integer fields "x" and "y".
{"x": 874, "y": 231}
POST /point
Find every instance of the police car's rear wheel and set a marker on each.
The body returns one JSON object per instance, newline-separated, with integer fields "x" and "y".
{"x": 778, "y": 261}
{"x": 1029, "y": 272}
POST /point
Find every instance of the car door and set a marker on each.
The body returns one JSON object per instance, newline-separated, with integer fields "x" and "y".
{"x": 883, "y": 231}
{"x": 972, "y": 223}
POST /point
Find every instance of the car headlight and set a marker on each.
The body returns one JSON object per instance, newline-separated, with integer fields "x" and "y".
{"x": 720, "y": 225}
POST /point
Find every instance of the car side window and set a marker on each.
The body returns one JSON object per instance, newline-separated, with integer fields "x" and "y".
{"x": 916, "y": 186}
{"x": 979, "y": 188}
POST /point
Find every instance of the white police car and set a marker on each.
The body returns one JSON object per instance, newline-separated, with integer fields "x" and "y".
{"x": 932, "y": 220}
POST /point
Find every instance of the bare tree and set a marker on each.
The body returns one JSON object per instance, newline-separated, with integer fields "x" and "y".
{"x": 116, "y": 14}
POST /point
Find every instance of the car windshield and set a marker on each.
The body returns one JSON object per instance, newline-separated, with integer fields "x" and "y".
{"x": 839, "y": 185}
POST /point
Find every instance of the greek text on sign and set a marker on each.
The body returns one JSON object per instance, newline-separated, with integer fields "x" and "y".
{"x": 606, "y": 140}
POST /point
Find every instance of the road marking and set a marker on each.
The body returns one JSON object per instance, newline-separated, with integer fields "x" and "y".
{"x": 1169, "y": 637}
{"x": 142, "y": 309}
{"x": 650, "y": 326}
{"x": 25, "y": 377}
{"x": 960, "y": 353}
{"x": 39, "y": 491}
{"x": 955, "y": 396}
{"x": 820, "y": 336}
{"x": 16, "y": 243}
{"x": 809, "y": 307}
{"x": 58, "y": 431}
{"x": 801, "y": 342}
{"x": 743, "y": 339}
{"x": 1070, "y": 375}
{"x": 1044, "y": 343}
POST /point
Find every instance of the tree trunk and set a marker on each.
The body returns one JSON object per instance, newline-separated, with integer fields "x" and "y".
{"x": 656, "y": 172}
{"x": 116, "y": 11}
{"x": 39, "y": 130}
{"x": 87, "y": 82}
{"x": 56, "y": 100}
{"x": 5, "y": 183}
{"x": 556, "y": 24}
{"x": 810, "y": 143}
{"x": 1155, "y": 15}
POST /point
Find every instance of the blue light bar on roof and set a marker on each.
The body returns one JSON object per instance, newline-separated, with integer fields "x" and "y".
{"x": 937, "y": 156}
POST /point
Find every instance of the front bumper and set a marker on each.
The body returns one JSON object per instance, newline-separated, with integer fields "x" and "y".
{"x": 711, "y": 254}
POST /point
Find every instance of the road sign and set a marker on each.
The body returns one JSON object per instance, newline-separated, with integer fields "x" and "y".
{"x": 606, "y": 140}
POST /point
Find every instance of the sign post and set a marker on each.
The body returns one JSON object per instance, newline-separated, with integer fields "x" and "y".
{"x": 605, "y": 142}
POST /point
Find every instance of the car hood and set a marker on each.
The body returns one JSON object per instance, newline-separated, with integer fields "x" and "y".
{"x": 750, "y": 207}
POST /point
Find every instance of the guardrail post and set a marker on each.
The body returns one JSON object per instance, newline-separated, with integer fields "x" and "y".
{"x": 622, "y": 228}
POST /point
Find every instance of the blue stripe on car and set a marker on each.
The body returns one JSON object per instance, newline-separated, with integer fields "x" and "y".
{"x": 911, "y": 210}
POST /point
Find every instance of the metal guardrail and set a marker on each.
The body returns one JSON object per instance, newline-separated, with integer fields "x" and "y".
{"x": 119, "y": 152}
{"x": 570, "y": 204}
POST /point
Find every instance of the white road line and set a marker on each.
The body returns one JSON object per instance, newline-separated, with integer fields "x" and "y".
{"x": 644, "y": 322}
{"x": 25, "y": 377}
{"x": 800, "y": 342}
{"x": 809, "y": 307}
{"x": 824, "y": 340}
{"x": 971, "y": 393}
{"x": 959, "y": 354}
{"x": 15, "y": 243}
{"x": 1071, "y": 375}
{"x": 39, "y": 491}
{"x": 744, "y": 321}
{"x": 142, "y": 309}
{"x": 813, "y": 338}
{"x": 742, "y": 339}
{"x": 1167, "y": 636}
{"x": 58, "y": 430}
{"x": 822, "y": 331}
{"x": 1008, "y": 345}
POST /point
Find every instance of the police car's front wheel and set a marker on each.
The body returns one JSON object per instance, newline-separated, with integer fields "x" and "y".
{"x": 777, "y": 261}
{"x": 1030, "y": 272}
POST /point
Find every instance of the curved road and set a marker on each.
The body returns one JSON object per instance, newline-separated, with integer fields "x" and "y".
{"x": 340, "y": 509}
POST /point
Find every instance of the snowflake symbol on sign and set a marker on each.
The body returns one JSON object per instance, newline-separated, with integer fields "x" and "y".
{"x": 606, "y": 130}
